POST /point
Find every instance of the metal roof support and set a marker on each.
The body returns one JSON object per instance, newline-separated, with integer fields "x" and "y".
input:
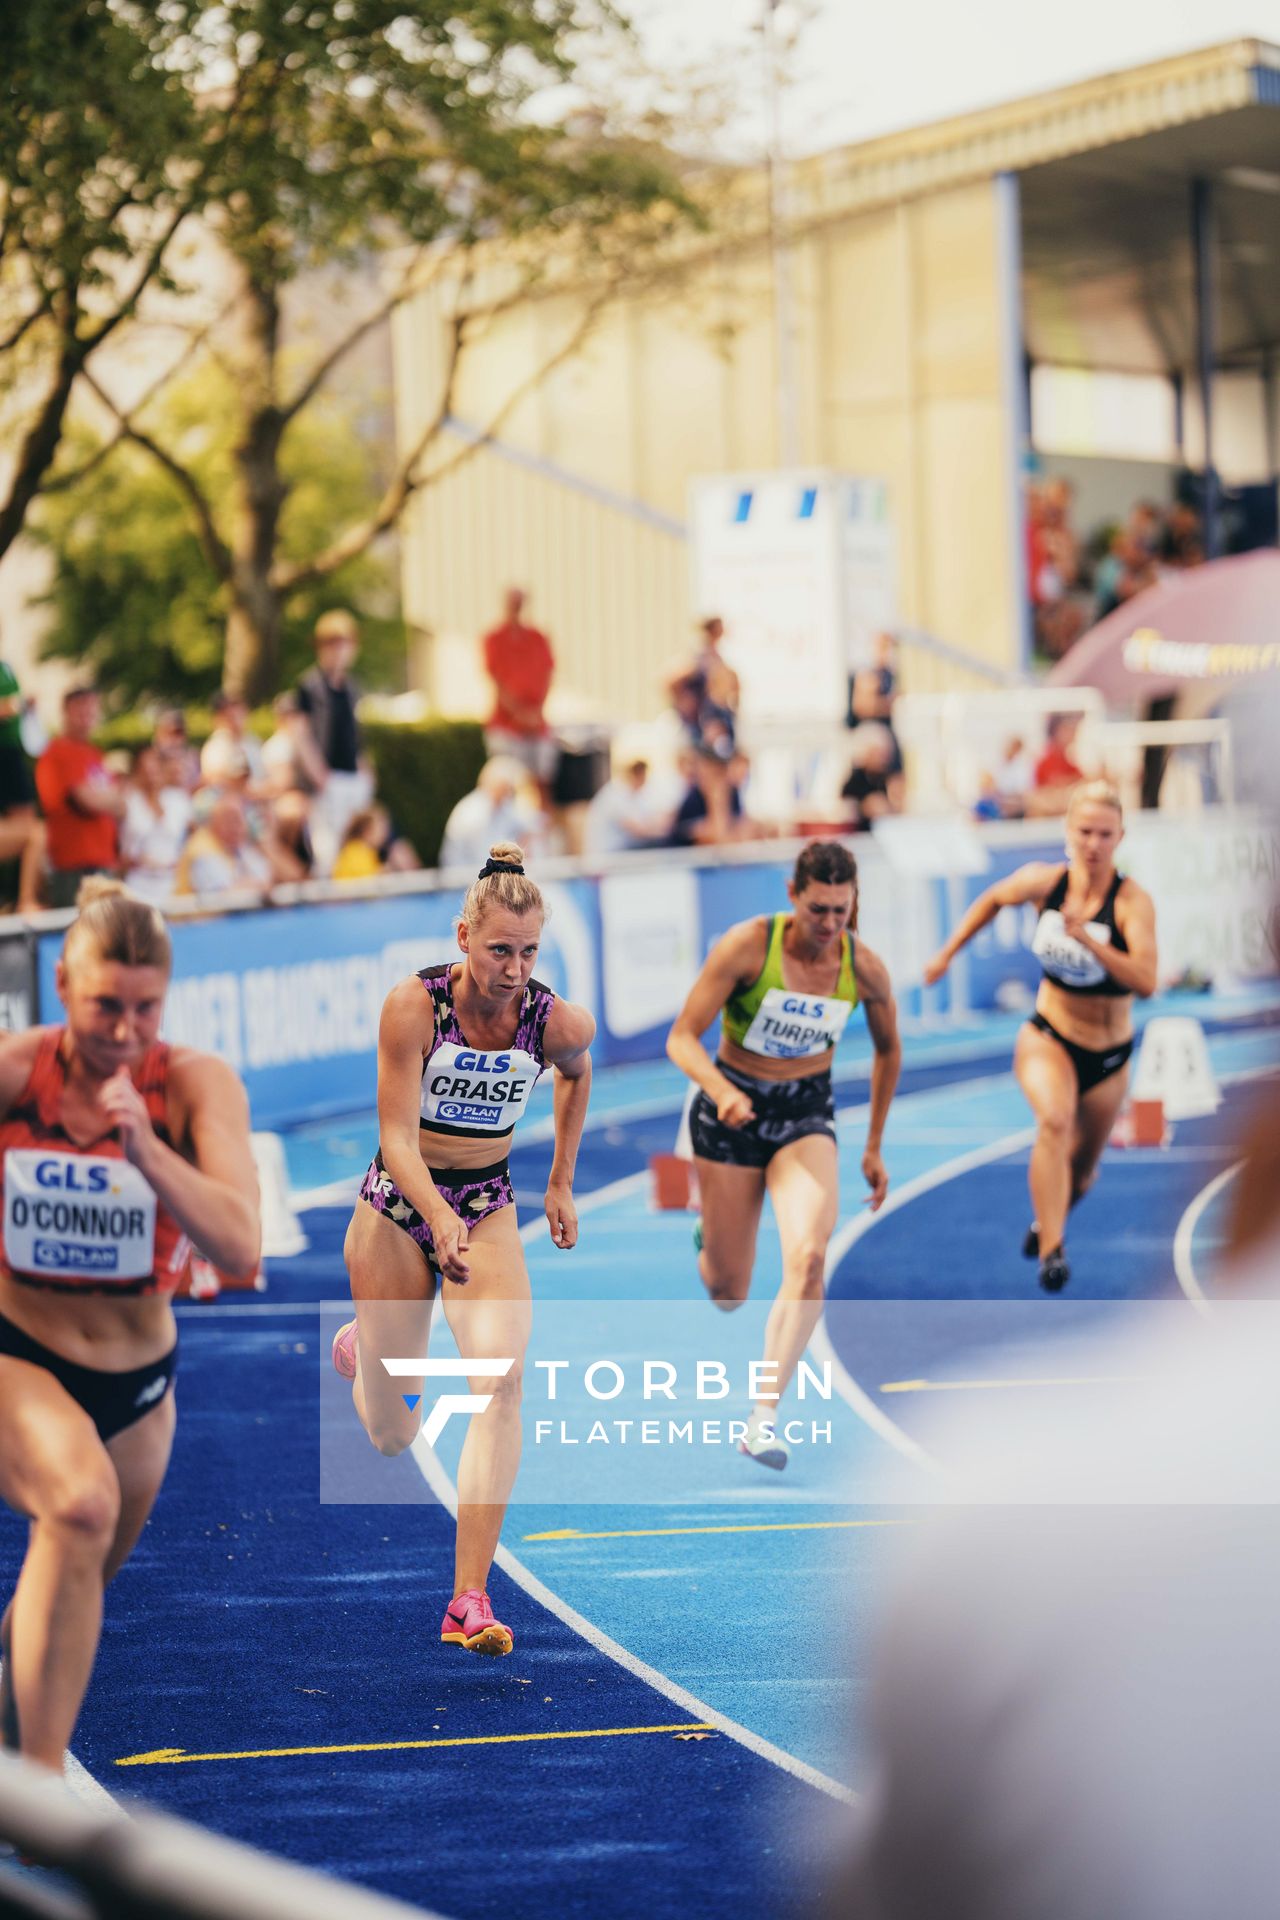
{"x": 1015, "y": 393}
{"x": 1203, "y": 241}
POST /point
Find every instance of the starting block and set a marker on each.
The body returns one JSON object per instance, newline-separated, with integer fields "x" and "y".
{"x": 675, "y": 1183}
{"x": 1173, "y": 1068}
{"x": 1141, "y": 1124}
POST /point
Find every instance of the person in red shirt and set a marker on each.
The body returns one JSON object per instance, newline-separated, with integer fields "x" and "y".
{"x": 519, "y": 661}
{"x": 1056, "y": 772}
{"x": 83, "y": 804}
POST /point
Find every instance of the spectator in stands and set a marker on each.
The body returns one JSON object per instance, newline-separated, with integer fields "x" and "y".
{"x": 873, "y": 692}
{"x": 1182, "y": 541}
{"x": 171, "y": 741}
{"x": 629, "y": 813}
{"x": 231, "y": 729}
{"x": 83, "y": 802}
{"x": 1014, "y": 778}
{"x": 222, "y": 856}
{"x": 722, "y": 688}
{"x": 503, "y": 805}
{"x": 704, "y": 692}
{"x": 290, "y": 756}
{"x": 373, "y": 846}
{"x": 290, "y": 816}
{"x": 328, "y": 696}
{"x": 157, "y": 816}
{"x": 22, "y": 835}
{"x": 873, "y": 787}
{"x": 1127, "y": 569}
{"x": 519, "y": 661}
{"x": 1053, "y": 565}
{"x": 1057, "y": 772}
{"x": 712, "y": 813}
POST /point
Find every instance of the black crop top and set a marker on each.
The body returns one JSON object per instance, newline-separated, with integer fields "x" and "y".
{"x": 1062, "y": 959}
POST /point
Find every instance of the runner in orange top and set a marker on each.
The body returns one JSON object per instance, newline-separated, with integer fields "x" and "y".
{"x": 117, "y": 1152}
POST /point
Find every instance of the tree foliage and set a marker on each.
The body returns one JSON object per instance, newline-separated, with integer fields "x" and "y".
{"x": 402, "y": 137}
{"x": 133, "y": 596}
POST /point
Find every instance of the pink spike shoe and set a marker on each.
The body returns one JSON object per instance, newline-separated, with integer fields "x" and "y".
{"x": 344, "y": 1350}
{"x": 469, "y": 1622}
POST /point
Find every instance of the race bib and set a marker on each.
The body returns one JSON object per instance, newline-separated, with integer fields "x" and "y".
{"x": 484, "y": 1092}
{"x": 77, "y": 1216}
{"x": 793, "y": 1026}
{"x": 1063, "y": 958}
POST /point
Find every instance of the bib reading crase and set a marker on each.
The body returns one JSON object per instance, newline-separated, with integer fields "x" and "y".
{"x": 478, "y": 1092}
{"x": 77, "y": 1216}
{"x": 793, "y": 1026}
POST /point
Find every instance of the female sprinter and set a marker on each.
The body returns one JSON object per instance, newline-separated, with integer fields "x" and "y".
{"x": 459, "y": 1050}
{"x": 119, "y": 1151}
{"x": 763, "y": 1118}
{"x": 1096, "y": 943}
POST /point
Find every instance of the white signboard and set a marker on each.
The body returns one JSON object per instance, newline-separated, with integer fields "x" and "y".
{"x": 649, "y": 940}
{"x": 799, "y": 566}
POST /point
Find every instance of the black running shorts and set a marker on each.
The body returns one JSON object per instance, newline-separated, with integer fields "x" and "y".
{"x": 785, "y": 1110}
{"x": 1093, "y": 1065}
{"x": 113, "y": 1401}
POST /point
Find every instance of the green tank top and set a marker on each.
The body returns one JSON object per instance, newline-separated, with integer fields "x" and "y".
{"x": 769, "y": 1019}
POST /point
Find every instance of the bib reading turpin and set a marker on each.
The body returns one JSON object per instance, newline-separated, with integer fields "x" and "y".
{"x": 481, "y": 1092}
{"x": 794, "y": 1026}
{"x": 77, "y": 1216}
{"x": 1062, "y": 957}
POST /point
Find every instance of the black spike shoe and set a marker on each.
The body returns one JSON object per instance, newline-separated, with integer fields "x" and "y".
{"x": 1054, "y": 1271}
{"x": 1031, "y": 1244}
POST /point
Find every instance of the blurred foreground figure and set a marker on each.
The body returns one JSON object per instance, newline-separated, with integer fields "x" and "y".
{"x": 1076, "y": 1706}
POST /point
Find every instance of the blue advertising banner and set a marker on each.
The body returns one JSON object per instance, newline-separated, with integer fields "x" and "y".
{"x": 291, "y": 997}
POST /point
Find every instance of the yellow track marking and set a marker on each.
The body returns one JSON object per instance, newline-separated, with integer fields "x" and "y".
{"x": 767, "y": 1526}
{"x": 973, "y": 1386}
{"x": 178, "y": 1756}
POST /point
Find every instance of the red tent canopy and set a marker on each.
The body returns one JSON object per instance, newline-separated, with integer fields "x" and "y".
{"x": 1215, "y": 625}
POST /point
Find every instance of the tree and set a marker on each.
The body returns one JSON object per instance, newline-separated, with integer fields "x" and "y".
{"x": 133, "y": 594}
{"x": 101, "y": 161}
{"x": 400, "y": 137}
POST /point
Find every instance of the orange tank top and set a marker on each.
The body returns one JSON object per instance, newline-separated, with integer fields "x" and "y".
{"x": 82, "y": 1219}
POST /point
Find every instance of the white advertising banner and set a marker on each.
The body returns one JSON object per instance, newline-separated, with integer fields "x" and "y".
{"x": 650, "y": 946}
{"x": 800, "y": 568}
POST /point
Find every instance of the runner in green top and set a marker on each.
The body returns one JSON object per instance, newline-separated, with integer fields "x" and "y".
{"x": 763, "y": 1117}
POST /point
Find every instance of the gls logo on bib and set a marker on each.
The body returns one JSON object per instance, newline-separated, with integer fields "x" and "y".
{"x": 462, "y": 1087}
{"x": 789, "y": 1026}
{"x": 75, "y": 1216}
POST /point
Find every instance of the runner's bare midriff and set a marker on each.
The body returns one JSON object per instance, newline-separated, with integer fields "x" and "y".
{"x": 1097, "y": 1021}
{"x": 91, "y": 1329}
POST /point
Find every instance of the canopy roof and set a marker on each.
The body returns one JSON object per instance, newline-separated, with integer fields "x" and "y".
{"x": 1215, "y": 626}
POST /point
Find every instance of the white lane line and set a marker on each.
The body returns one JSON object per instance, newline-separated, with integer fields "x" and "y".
{"x": 90, "y": 1792}
{"x": 214, "y": 1309}
{"x": 854, "y": 1230}
{"x": 446, "y": 1493}
{"x": 1183, "y": 1265}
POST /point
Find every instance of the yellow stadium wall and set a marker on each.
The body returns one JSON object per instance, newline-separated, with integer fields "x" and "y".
{"x": 900, "y": 360}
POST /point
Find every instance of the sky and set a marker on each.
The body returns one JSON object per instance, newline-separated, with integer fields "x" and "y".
{"x": 863, "y": 67}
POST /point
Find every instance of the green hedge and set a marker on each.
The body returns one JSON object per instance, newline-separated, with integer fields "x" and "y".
{"x": 422, "y": 767}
